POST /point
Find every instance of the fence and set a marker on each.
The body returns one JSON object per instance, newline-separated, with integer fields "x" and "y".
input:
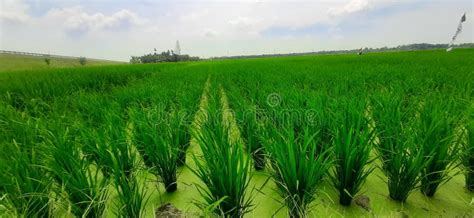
{"x": 42, "y": 55}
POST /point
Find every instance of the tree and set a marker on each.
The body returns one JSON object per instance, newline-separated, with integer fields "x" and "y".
{"x": 165, "y": 56}
{"x": 82, "y": 61}
{"x": 47, "y": 59}
{"x": 135, "y": 60}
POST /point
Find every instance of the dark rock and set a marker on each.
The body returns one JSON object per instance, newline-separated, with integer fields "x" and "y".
{"x": 167, "y": 210}
{"x": 363, "y": 201}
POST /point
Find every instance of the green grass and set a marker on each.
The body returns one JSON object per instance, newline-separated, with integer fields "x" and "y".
{"x": 13, "y": 62}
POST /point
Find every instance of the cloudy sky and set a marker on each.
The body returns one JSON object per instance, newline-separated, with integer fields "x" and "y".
{"x": 116, "y": 29}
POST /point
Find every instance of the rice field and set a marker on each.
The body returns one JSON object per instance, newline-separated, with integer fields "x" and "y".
{"x": 382, "y": 134}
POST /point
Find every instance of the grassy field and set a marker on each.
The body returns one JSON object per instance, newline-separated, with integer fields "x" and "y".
{"x": 12, "y": 62}
{"x": 289, "y": 136}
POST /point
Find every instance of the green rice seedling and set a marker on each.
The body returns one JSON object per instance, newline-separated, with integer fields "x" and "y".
{"x": 120, "y": 150}
{"x": 138, "y": 116}
{"x": 468, "y": 155}
{"x": 224, "y": 169}
{"x": 436, "y": 135}
{"x": 403, "y": 170}
{"x": 95, "y": 147}
{"x": 352, "y": 145}
{"x": 318, "y": 117}
{"x": 131, "y": 197}
{"x": 402, "y": 159}
{"x": 178, "y": 122}
{"x": 24, "y": 183}
{"x": 86, "y": 188}
{"x": 122, "y": 163}
{"x": 249, "y": 130}
{"x": 154, "y": 137}
{"x": 297, "y": 167}
{"x": 182, "y": 116}
{"x": 106, "y": 145}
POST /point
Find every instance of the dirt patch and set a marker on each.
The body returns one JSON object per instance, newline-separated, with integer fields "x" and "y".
{"x": 167, "y": 210}
{"x": 363, "y": 201}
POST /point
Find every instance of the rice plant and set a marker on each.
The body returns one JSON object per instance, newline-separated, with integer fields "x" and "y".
{"x": 318, "y": 116}
{"x": 468, "y": 155}
{"x": 131, "y": 197}
{"x": 96, "y": 148}
{"x": 352, "y": 145}
{"x": 154, "y": 139}
{"x": 403, "y": 170}
{"x": 249, "y": 126}
{"x": 85, "y": 187}
{"x": 436, "y": 136}
{"x": 182, "y": 117}
{"x": 107, "y": 145}
{"x": 24, "y": 183}
{"x": 223, "y": 169}
{"x": 297, "y": 167}
{"x": 402, "y": 159}
{"x": 179, "y": 123}
{"x": 250, "y": 132}
{"x": 108, "y": 148}
{"x": 116, "y": 141}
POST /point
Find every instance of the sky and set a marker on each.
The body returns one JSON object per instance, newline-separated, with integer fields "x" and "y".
{"x": 118, "y": 29}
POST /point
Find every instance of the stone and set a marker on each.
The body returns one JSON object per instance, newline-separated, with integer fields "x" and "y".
{"x": 363, "y": 201}
{"x": 167, "y": 210}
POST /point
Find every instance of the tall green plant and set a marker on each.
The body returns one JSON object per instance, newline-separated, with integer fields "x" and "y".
{"x": 246, "y": 116}
{"x": 84, "y": 185}
{"x": 352, "y": 145}
{"x": 179, "y": 124}
{"x": 131, "y": 197}
{"x": 96, "y": 148}
{"x": 23, "y": 179}
{"x": 436, "y": 135}
{"x": 154, "y": 138}
{"x": 224, "y": 169}
{"x": 468, "y": 155}
{"x": 115, "y": 157}
{"x": 402, "y": 159}
{"x": 297, "y": 167}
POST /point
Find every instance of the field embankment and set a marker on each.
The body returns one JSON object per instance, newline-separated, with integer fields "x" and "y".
{"x": 17, "y": 62}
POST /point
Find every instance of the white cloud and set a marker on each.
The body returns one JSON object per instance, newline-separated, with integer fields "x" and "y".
{"x": 76, "y": 21}
{"x": 352, "y": 6}
{"x": 243, "y": 22}
{"x": 210, "y": 33}
{"x": 13, "y": 11}
{"x": 194, "y": 16}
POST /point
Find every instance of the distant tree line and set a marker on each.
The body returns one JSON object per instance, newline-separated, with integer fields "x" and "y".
{"x": 166, "y": 56}
{"x": 410, "y": 47}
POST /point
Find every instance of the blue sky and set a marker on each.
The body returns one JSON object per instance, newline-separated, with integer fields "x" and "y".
{"x": 116, "y": 29}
